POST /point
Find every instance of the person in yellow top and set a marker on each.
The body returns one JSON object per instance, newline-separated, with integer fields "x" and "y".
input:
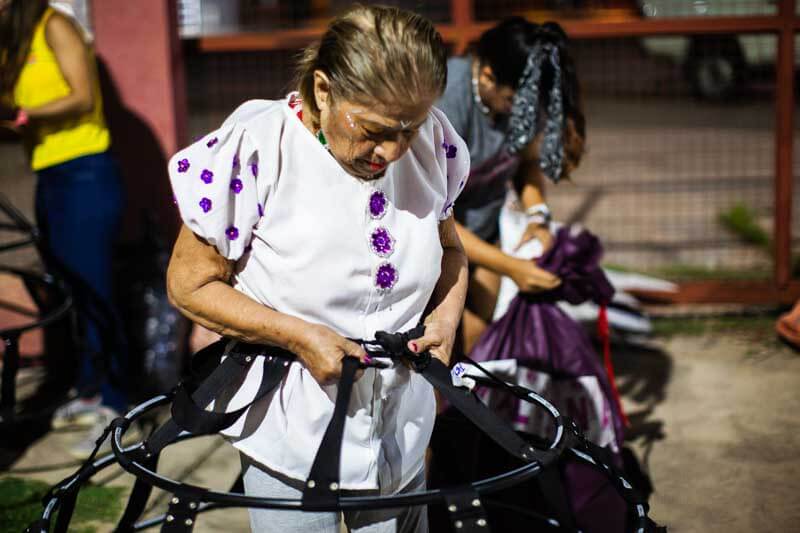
{"x": 51, "y": 95}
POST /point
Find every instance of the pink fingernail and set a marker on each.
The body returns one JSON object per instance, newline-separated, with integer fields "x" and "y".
{"x": 367, "y": 359}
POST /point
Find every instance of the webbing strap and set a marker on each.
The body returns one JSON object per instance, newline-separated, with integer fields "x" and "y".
{"x": 138, "y": 498}
{"x": 483, "y": 417}
{"x": 181, "y": 515}
{"x": 321, "y": 492}
{"x": 188, "y": 411}
{"x": 555, "y": 495}
{"x": 465, "y": 510}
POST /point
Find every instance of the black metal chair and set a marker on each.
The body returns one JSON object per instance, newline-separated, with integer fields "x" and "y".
{"x": 54, "y": 302}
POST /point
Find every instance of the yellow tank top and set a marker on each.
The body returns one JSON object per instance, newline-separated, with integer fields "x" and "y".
{"x": 41, "y": 82}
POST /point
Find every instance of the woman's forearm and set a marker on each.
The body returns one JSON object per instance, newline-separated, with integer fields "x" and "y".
{"x": 482, "y": 253}
{"x": 71, "y": 106}
{"x": 197, "y": 283}
{"x": 447, "y": 303}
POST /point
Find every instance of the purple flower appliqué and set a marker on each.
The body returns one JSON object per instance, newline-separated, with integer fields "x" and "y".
{"x": 232, "y": 233}
{"x": 260, "y": 210}
{"x": 205, "y": 205}
{"x": 381, "y": 242}
{"x": 385, "y": 276}
{"x": 236, "y": 185}
{"x": 212, "y": 142}
{"x": 183, "y": 165}
{"x": 450, "y": 150}
{"x": 377, "y": 205}
{"x": 254, "y": 169}
{"x": 207, "y": 176}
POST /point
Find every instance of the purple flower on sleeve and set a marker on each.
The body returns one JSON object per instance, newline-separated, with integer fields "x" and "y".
{"x": 183, "y": 165}
{"x": 450, "y": 150}
{"x": 232, "y": 233}
{"x": 212, "y": 142}
{"x": 205, "y": 205}
{"x": 236, "y": 185}
{"x": 207, "y": 176}
{"x": 377, "y": 205}
{"x": 385, "y": 277}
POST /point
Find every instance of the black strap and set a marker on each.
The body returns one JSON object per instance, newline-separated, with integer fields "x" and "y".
{"x": 188, "y": 412}
{"x": 65, "y": 511}
{"x": 138, "y": 498}
{"x": 181, "y": 515}
{"x": 69, "y": 487}
{"x": 465, "y": 510}
{"x": 10, "y": 367}
{"x": 321, "y": 492}
{"x": 555, "y": 495}
{"x": 483, "y": 417}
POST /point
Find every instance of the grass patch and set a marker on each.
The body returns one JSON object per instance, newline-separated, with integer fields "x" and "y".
{"x": 741, "y": 221}
{"x": 21, "y": 504}
{"x": 755, "y": 326}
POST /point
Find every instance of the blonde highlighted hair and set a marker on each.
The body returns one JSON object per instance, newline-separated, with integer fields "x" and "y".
{"x": 376, "y": 55}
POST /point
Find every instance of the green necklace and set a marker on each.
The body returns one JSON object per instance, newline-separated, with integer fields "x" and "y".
{"x": 321, "y": 138}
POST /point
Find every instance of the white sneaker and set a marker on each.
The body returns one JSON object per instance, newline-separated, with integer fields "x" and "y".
{"x": 84, "y": 446}
{"x": 80, "y": 412}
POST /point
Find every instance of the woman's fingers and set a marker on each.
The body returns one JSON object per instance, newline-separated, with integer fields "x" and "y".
{"x": 354, "y": 349}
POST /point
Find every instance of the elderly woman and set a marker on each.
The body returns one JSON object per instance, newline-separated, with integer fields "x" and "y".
{"x": 324, "y": 217}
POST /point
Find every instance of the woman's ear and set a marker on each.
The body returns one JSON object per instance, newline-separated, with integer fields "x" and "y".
{"x": 487, "y": 76}
{"x": 322, "y": 90}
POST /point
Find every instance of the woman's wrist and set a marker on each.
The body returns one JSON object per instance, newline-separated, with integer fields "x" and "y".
{"x": 437, "y": 317}
{"x": 538, "y": 214}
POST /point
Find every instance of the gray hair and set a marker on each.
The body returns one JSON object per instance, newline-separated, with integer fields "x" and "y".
{"x": 376, "y": 54}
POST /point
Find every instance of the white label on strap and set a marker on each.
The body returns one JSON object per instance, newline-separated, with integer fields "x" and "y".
{"x": 457, "y": 372}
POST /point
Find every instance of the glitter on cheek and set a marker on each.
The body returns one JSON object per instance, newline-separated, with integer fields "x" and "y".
{"x": 350, "y": 121}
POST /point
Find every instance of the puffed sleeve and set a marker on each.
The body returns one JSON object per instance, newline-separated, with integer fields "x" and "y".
{"x": 220, "y": 189}
{"x": 452, "y": 156}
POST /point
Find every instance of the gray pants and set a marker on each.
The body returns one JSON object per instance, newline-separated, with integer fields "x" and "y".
{"x": 261, "y": 483}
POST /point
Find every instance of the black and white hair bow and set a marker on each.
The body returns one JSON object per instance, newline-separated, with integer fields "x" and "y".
{"x": 524, "y": 119}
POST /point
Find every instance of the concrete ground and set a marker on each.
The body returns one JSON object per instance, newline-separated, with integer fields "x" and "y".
{"x": 714, "y": 424}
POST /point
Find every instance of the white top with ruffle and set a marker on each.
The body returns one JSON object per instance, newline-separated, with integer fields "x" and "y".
{"x": 312, "y": 241}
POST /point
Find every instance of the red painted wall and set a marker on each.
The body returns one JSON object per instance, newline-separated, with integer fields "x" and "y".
{"x": 144, "y": 93}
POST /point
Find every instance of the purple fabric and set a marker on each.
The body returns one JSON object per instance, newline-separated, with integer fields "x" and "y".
{"x": 536, "y": 331}
{"x": 596, "y": 504}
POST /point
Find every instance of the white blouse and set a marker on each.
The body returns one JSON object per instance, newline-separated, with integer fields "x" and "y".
{"x": 314, "y": 242}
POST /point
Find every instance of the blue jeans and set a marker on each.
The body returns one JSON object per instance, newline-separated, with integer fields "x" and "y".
{"x": 78, "y": 210}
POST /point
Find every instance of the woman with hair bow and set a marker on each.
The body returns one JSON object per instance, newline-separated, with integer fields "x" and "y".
{"x": 515, "y": 100}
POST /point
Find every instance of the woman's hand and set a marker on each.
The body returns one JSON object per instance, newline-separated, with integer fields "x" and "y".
{"x": 529, "y": 277}
{"x": 439, "y": 338}
{"x": 536, "y": 231}
{"x": 321, "y": 349}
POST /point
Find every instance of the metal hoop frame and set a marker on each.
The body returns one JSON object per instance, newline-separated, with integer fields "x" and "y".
{"x": 567, "y": 439}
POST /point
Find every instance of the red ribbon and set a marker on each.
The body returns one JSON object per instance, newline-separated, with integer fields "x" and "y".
{"x": 604, "y": 332}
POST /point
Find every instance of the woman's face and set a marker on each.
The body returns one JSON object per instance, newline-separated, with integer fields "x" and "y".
{"x": 365, "y": 139}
